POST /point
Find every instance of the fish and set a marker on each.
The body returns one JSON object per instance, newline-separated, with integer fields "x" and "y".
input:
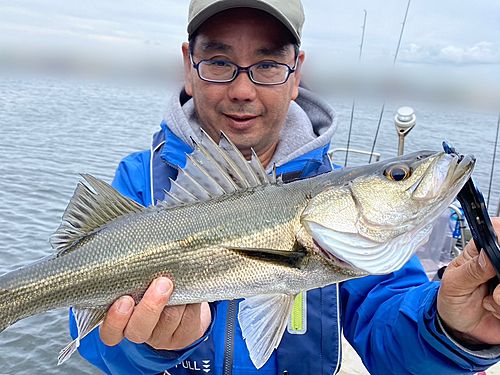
{"x": 227, "y": 229}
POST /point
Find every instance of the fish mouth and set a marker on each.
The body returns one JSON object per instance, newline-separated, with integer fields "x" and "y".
{"x": 446, "y": 175}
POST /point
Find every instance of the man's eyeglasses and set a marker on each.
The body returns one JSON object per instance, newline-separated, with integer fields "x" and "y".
{"x": 266, "y": 72}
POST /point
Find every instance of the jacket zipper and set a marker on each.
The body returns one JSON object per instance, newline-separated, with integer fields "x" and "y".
{"x": 229, "y": 342}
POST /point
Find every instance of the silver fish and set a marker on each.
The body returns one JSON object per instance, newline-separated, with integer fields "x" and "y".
{"x": 227, "y": 230}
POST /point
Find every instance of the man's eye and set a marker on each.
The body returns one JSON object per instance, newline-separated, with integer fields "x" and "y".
{"x": 267, "y": 65}
{"x": 219, "y": 63}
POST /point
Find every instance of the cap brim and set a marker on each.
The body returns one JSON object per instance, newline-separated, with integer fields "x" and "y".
{"x": 220, "y": 6}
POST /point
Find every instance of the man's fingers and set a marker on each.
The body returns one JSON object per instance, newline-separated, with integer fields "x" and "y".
{"x": 180, "y": 326}
{"x": 147, "y": 313}
{"x": 496, "y": 295}
{"x": 162, "y": 335}
{"x": 117, "y": 317}
{"x": 189, "y": 329}
{"x": 492, "y": 306}
{"x": 470, "y": 251}
{"x": 476, "y": 271}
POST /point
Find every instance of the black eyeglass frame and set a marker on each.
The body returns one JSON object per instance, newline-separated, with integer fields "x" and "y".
{"x": 246, "y": 69}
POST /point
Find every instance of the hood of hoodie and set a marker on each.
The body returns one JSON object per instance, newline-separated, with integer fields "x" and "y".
{"x": 309, "y": 125}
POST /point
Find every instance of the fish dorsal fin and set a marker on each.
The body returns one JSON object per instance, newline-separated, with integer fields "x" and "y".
{"x": 263, "y": 320}
{"x": 259, "y": 170}
{"x": 213, "y": 170}
{"x": 94, "y": 203}
{"x": 86, "y": 321}
{"x": 249, "y": 176}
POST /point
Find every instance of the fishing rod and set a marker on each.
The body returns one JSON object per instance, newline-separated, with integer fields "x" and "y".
{"x": 393, "y": 64}
{"x": 493, "y": 165}
{"x": 354, "y": 98}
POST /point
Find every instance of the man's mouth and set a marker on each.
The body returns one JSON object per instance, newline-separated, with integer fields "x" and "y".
{"x": 240, "y": 118}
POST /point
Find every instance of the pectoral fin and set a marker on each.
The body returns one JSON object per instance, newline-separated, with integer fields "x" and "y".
{"x": 289, "y": 258}
{"x": 263, "y": 320}
{"x": 86, "y": 321}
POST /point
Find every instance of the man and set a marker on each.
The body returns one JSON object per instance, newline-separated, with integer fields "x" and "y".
{"x": 399, "y": 323}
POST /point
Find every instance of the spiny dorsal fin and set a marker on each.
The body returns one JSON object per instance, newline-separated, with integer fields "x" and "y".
{"x": 214, "y": 170}
{"x": 273, "y": 177}
{"x": 215, "y": 165}
{"x": 94, "y": 203}
{"x": 223, "y": 159}
{"x": 259, "y": 170}
{"x": 249, "y": 175}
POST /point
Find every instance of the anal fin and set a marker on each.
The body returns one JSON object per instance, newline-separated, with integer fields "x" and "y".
{"x": 86, "y": 321}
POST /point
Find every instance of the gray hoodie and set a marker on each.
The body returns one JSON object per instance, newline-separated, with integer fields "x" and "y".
{"x": 310, "y": 124}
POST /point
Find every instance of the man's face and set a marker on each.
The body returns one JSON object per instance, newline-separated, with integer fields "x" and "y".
{"x": 251, "y": 115}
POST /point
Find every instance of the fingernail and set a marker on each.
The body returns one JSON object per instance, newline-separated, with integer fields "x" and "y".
{"x": 163, "y": 285}
{"x": 482, "y": 260}
{"x": 124, "y": 305}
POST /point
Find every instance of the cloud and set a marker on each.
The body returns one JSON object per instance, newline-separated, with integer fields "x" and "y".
{"x": 481, "y": 53}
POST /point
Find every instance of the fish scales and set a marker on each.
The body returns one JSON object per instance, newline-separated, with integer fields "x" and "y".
{"x": 172, "y": 244}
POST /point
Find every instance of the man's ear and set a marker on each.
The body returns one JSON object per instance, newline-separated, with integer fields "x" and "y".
{"x": 298, "y": 75}
{"x": 188, "y": 77}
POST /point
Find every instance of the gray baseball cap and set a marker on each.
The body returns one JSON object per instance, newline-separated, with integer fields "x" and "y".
{"x": 289, "y": 12}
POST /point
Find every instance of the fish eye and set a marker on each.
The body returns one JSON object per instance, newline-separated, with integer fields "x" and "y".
{"x": 397, "y": 172}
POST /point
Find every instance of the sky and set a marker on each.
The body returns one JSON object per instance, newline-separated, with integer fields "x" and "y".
{"x": 461, "y": 38}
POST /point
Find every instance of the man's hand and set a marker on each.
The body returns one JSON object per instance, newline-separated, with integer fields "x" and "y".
{"x": 466, "y": 307}
{"x": 154, "y": 323}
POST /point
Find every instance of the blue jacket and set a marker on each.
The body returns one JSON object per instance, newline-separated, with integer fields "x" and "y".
{"x": 390, "y": 320}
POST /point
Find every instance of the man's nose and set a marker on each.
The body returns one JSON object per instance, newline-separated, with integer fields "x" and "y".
{"x": 242, "y": 88}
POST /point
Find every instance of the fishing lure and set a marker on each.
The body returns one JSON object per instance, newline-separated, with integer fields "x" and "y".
{"x": 476, "y": 213}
